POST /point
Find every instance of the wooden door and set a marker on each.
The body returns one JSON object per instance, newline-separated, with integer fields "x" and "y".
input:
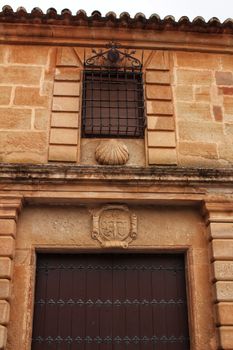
{"x": 110, "y": 302}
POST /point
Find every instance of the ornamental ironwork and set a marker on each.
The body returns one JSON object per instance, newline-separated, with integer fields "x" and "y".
{"x": 114, "y": 56}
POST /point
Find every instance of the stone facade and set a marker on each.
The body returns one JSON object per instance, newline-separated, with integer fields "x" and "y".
{"x": 178, "y": 179}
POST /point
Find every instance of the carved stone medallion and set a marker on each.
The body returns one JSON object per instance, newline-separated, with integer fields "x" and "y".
{"x": 114, "y": 226}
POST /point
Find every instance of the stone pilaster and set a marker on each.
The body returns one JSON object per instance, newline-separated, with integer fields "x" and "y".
{"x": 9, "y": 210}
{"x": 219, "y": 220}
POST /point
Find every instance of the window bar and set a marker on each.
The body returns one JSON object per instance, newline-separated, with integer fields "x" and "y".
{"x": 118, "y": 106}
{"x": 127, "y": 113}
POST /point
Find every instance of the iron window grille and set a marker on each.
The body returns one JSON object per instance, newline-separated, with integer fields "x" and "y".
{"x": 112, "y": 97}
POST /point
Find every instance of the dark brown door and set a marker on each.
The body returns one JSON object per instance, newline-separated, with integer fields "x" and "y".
{"x": 110, "y": 302}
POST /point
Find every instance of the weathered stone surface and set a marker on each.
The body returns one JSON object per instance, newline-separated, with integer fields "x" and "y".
{"x": 65, "y": 104}
{"x": 159, "y": 107}
{"x": 7, "y": 246}
{"x": 160, "y": 123}
{"x": 221, "y": 229}
{"x": 36, "y": 55}
{"x": 7, "y": 227}
{"x": 5, "y": 95}
{"x": 202, "y": 93}
{"x": 159, "y": 92}
{"x": 65, "y": 120}
{"x": 198, "y": 60}
{"x": 61, "y": 153}
{"x": 3, "y": 337}
{"x": 200, "y": 149}
{"x": 183, "y": 93}
{"x": 41, "y": 119}
{"x": 206, "y": 132}
{"x": 226, "y": 337}
{"x": 26, "y": 141}
{"x": 223, "y": 270}
{"x": 159, "y": 60}
{"x": 67, "y": 73}
{"x": 5, "y": 267}
{"x": 20, "y": 75}
{"x": 224, "y": 78}
{"x": 5, "y": 289}
{"x": 225, "y": 313}
{"x": 4, "y": 312}
{"x": 66, "y": 88}
{"x": 15, "y": 118}
{"x": 222, "y": 249}
{"x": 161, "y": 139}
{"x": 67, "y": 56}
{"x": 64, "y": 136}
{"x": 192, "y": 77}
{"x": 158, "y": 77}
{"x": 224, "y": 290}
{"x": 28, "y": 96}
{"x": 193, "y": 111}
{"x": 162, "y": 156}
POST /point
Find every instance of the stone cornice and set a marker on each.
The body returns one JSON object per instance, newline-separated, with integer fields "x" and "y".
{"x": 68, "y": 174}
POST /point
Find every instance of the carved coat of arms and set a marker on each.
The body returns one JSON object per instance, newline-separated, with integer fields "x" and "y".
{"x": 114, "y": 226}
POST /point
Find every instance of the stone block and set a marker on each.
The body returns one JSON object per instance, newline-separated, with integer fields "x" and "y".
{"x": 183, "y": 93}
{"x": 198, "y": 60}
{"x": 60, "y": 153}
{"x": 160, "y": 123}
{"x": 224, "y": 78}
{"x": 20, "y": 75}
{"x": 20, "y": 141}
{"x": 222, "y": 249}
{"x": 193, "y": 111}
{"x": 225, "y": 90}
{"x": 226, "y": 337}
{"x": 193, "y": 77}
{"x": 65, "y": 120}
{"x": 41, "y": 119}
{"x": 15, "y": 118}
{"x": 7, "y": 246}
{"x": 217, "y": 112}
{"x": 5, "y": 289}
{"x": 28, "y": 54}
{"x": 206, "y": 132}
{"x": 158, "y": 77}
{"x": 222, "y": 229}
{"x": 199, "y": 149}
{"x": 28, "y": 96}
{"x": 5, "y": 267}
{"x": 159, "y": 92}
{"x": 7, "y": 227}
{"x": 162, "y": 156}
{"x": 228, "y": 104}
{"x": 160, "y": 60}
{"x": 66, "y": 88}
{"x": 64, "y": 136}
{"x": 67, "y": 57}
{"x": 202, "y": 93}
{"x": 223, "y": 270}
{"x": 224, "y": 290}
{"x": 225, "y": 313}
{"x": 67, "y": 73}
{"x": 161, "y": 139}
{"x": 66, "y": 104}
{"x": 4, "y": 312}
{"x": 159, "y": 107}
{"x": 5, "y": 95}
{"x": 3, "y": 337}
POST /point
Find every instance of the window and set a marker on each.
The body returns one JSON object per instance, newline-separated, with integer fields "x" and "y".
{"x": 112, "y": 103}
{"x": 110, "y": 301}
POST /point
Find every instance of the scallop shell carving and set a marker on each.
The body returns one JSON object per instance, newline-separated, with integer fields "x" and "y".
{"x": 112, "y": 152}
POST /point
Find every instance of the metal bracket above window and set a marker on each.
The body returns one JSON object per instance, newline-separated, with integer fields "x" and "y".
{"x": 114, "y": 57}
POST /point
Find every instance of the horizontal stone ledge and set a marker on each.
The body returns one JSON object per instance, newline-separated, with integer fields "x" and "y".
{"x": 32, "y": 173}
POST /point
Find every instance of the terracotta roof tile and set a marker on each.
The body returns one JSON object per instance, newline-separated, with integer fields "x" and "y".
{"x": 154, "y": 22}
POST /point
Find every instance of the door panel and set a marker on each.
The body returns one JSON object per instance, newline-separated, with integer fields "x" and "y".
{"x": 110, "y": 302}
